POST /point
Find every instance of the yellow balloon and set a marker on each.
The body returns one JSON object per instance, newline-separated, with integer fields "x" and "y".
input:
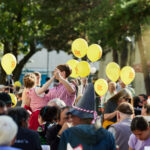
{"x": 83, "y": 68}
{"x": 17, "y": 84}
{"x": 113, "y": 71}
{"x": 79, "y": 47}
{"x": 127, "y": 75}
{"x": 8, "y": 63}
{"x": 73, "y": 65}
{"x": 101, "y": 86}
{"x": 13, "y": 99}
{"x": 94, "y": 52}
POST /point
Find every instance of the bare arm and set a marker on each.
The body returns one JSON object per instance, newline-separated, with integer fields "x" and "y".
{"x": 67, "y": 85}
{"x": 25, "y": 98}
{"x": 45, "y": 86}
{"x": 109, "y": 116}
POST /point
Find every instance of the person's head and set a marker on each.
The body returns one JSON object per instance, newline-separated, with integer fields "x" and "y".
{"x": 38, "y": 78}
{"x": 111, "y": 87}
{"x": 5, "y": 97}
{"x": 3, "y": 108}
{"x": 137, "y": 101}
{"x": 29, "y": 80}
{"x": 143, "y": 98}
{"x": 65, "y": 70}
{"x": 122, "y": 85}
{"x": 57, "y": 102}
{"x": 48, "y": 114}
{"x": 140, "y": 128}
{"x": 84, "y": 81}
{"x": 123, "y": 95}
{"x": 63, "y": 116}
{"x": 20, "y": 116}
{"x": 19, "y": 96}
{"x": 77, "y": 120}
{"x": 146, "y": 110}
{"x": 125, "y": 110}
{"x": 8, "y": 89}
{"x": 8, "y": 130}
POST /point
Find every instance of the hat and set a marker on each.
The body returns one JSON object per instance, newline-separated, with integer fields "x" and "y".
{"x": 86, "y": 105}
{"x": 5, "y": 98}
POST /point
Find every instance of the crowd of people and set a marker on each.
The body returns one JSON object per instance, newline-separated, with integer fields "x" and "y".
{"x": 64, "y": 117}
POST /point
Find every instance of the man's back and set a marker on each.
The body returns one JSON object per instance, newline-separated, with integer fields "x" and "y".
{"x": 88, "y": 138}
{"x": 27, "y": 140}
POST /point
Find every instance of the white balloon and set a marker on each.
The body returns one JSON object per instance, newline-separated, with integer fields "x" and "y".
{"x": 93, "y": 70}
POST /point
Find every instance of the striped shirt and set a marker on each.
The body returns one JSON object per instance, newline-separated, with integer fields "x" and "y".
{"x": 61, "y": 92}
{"x": 37, "y": 101}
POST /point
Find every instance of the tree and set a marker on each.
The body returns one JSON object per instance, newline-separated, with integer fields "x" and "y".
{"x": 124, "y": 18}
{"x": 20, "y": 30}
{"x": 53, "y": 24}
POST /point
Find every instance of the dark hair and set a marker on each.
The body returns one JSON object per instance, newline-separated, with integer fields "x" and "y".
{"x": 5, "y": 97}
{"x": 145, "y": 96}
{"x": 2, "y": 104}
{"x": 136, "y": 101}
{"x": 139, "y": 123}
{"x": 49, "y": 113}
{"x": 147, "y": 107}
{"x": 66, "y": 68}
{"x": 18, "y": 114}
{"x": 47, "y": 78}
{"x": 126, "y": 108}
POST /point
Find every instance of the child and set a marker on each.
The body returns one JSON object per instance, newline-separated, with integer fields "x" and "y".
{"x": 34, "y": 98}
{"x": 47, "y": 116}
{"x": 141, "y": 134}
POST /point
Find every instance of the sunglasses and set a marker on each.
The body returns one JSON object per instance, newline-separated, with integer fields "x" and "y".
{"x": 126, "y": 98}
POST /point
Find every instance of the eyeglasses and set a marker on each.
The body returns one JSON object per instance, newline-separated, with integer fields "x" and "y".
{"x": 126, "y": 98}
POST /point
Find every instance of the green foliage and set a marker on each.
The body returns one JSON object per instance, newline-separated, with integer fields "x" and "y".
{"x": 20, "y": 24}
{"x": 122, "y": 18}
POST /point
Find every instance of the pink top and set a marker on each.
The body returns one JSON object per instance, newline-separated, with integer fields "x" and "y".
{"x": 61, "y": 92}
{"x": 37, "y": 101}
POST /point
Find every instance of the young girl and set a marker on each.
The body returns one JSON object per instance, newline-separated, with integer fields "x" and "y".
{"x": 47, "y": 117}
{"x": 141, "y": 134}
{"x": 34, "y": 98}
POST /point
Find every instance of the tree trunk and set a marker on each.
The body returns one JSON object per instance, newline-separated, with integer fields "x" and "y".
{"x": 21, "y": 64}
{"x": 144, "y": 65}
{"x": 124, "y": 55}
{"x": 115, "y": 56}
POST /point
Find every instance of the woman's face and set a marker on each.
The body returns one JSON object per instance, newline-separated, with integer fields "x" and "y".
{"x": 63, "y": 116}
{"x": 124, "y": 99}
{"x": 142, "y": 135}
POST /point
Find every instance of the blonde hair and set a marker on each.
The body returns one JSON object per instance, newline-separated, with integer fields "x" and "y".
{"x": 29, "y": 80}
{"x": 8, "y": 130}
